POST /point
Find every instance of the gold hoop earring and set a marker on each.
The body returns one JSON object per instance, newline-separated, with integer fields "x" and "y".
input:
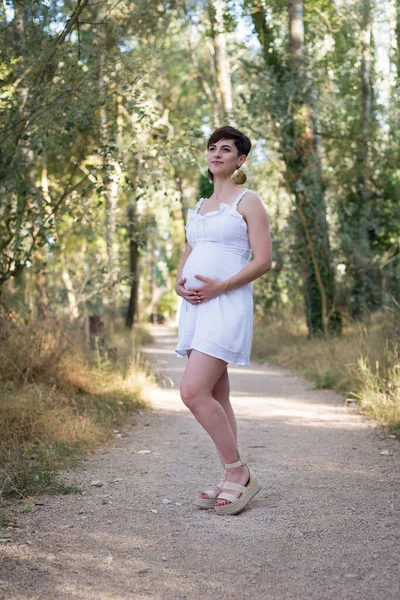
{"x": 239, "y": 176}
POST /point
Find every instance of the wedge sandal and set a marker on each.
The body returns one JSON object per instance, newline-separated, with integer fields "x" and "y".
{"x": 211, "y": 500}
{"x": 249, "y": 490}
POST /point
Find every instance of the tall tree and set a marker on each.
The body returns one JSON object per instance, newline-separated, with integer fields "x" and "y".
{"x": 221, "y": 58}
{"x": 291, "y": 105}
{"x": 358, "y": 225}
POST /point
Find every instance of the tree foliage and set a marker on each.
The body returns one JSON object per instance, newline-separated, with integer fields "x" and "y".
{"x": 105, "y": 109}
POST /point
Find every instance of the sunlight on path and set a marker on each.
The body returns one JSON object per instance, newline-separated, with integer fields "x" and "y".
{"x": 258, "y": 391}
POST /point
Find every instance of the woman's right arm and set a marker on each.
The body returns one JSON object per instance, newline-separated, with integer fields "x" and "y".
{"x": 180, "y": 289}
{"x": 188, "y": 250}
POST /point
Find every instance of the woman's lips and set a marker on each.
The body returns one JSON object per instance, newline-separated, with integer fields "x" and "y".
{"x": 217, "y": 162}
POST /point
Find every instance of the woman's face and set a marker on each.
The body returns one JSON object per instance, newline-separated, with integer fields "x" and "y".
{"x": 223, "y": 159}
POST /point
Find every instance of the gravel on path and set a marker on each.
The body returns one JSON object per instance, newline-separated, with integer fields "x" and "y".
{"x": 325, "y": 525}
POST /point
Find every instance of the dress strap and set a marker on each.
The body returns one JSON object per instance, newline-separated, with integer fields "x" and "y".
{"x": 198, "y": 205}
{"x": 238, "y": 199}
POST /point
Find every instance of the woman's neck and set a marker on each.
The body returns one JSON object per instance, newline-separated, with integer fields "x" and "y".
{"x": 224, "y": 188}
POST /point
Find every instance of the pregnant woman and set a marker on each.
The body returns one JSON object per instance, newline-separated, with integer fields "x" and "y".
{"x": 216, "y": 314}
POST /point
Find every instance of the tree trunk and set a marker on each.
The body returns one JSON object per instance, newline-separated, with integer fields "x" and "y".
{"x": 23, "y": 93}
{"x": 72, "y": 300}
{"x": 134, "y": 254}
{"x": 365, "y": 274}
{"x": 133, "y": 267}
{"x": 222, "y": 62}
{"x": 221, "y": 59}
{"x": 397, "y": 41}
{"x": 206, "y": 87}
{"x": 304, "y": 177}
{"x": 41, "y": 284}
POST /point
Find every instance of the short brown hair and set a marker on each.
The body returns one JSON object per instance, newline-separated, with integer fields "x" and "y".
{"x": 241, "y": 141}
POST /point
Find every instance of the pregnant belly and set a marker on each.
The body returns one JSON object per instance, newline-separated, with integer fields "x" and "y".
{"x": 211, "y": 262}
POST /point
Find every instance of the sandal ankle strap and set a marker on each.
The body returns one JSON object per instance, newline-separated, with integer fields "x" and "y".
{"x": 239, "y": 463}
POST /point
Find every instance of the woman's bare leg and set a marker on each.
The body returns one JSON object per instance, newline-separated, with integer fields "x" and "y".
{"x": 221, "y": 393}
{"x": 201, "y": 375}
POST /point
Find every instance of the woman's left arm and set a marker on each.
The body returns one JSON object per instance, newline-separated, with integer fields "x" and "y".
{"x": 255, "y": 215}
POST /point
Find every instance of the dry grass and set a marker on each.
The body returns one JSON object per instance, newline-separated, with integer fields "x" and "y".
{"x": 362, "y": 363}
{"x": 379, "y": 394}
{"x": 56, "y": 400}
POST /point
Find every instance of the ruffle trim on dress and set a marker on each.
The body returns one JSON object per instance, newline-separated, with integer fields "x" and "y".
{"x": 209, "y": 347}
{"x": 223, "y": 206}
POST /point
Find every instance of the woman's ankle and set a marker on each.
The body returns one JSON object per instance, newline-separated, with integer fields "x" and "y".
{"x": 236, "y": 472}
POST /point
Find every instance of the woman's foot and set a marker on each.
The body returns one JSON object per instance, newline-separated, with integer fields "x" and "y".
{"x": 207, "y": 496}
{"x": 240, "y": 486}
{"x": 238, "y": 475}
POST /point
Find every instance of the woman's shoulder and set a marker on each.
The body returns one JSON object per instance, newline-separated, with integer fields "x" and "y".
{"x": 251, "y": 195}
{"x": 252, "y": 204}
{"x": 192, "y": 211}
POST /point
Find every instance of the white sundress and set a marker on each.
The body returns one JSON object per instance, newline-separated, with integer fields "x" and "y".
{"x": 223, "y": 326}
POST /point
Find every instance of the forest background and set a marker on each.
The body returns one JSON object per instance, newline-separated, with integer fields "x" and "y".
{"x": 106, "y": 107}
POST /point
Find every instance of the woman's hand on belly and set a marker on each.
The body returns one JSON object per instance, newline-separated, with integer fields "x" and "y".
{"x": 210, "y": 289}
{"x": 188, "y": 295}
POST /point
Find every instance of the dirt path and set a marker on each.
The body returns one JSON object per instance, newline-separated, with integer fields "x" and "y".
{"x": 325, "y": 525}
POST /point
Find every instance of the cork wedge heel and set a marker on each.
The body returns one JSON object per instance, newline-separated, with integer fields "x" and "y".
{"x": 248, "y": 491}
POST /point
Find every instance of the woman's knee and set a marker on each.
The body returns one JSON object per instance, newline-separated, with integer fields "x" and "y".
{"x": 189, "y": 395}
